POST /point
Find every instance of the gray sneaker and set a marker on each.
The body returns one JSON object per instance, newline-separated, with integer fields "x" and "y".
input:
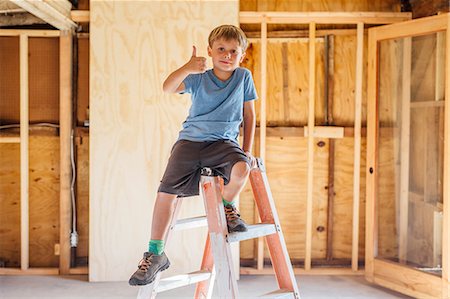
{"x": 234, "y": 221}
{"x": 148, "y": 267}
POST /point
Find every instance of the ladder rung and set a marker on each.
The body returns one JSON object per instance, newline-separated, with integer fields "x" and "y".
{"x": 182, "y": 280}
{"x": 281, "y": 293}
{"x": 254, "y": 231}
{"x": 188, "y": 223}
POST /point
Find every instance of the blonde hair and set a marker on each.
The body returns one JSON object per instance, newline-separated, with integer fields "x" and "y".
{"x": 228, "y": 32}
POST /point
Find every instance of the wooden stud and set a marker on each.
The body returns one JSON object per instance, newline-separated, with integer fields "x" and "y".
{"x": 357, "y": 143}
{"x": 440, "y": 69}
{"x": 404, "y": 150}
{"x": 371, "y": 170}
{"x": 312, "y": 85}
{"x": 331, "y": 197}
{"x": 329, "y": 99}
{"x": 263, "y": 95}
{"x": 65, "y": 129}
{"x": 446, "y": 176}
{"x": 262, "y": 126}
{"x": 24, "y": 157}
{"x": 278, "y": 17}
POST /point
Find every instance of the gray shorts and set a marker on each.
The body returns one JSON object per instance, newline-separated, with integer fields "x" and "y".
{"x": 182, "y": 175}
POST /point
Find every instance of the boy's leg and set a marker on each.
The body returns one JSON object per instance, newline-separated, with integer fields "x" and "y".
{"x": 155, "y": 260}
{"x": 239, "y": 174}
{"x": 238, "y": 177}
{"x": 162, "y": 215}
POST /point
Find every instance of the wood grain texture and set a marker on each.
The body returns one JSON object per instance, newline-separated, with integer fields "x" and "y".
{"x": 286, "y": 164}
{"x": 321, "y": 5}
{"x": 82, "y": 191}
{"x": 342, "y": 222}
{"x": 287, "y": 83}
{"x": 134, "y": 46}
{"x": 344, "y": 84}
{"x": 43, "y": 201}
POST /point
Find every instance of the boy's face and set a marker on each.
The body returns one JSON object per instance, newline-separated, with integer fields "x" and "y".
{"x": 226, "y": 54}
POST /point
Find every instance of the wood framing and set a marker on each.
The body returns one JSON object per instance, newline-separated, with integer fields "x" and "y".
{"x": 300, "y": 271}
{"x": 404, "y": 148}
{"x": 250, "y": 17}
{"x": 29, "y": 33}
{"x": 262, "y": 130}
{"x": 311, "y": 100}
{"x": 65, "y": 131}
{"x": 24, "y": 165}
{"x": 357, "y": 143}
{"x": 80, "y": 16}
{"x": 446, "y": 177}
{"x": 311, "y": 131}
{"x": 395, "y": 275}
{"x": 56, "y": 13}
{"x": 5, "y": 139}
{"x": 325, "y": 132}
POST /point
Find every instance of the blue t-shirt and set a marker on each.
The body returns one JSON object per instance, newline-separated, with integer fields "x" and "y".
{"x": 217, "y": 106}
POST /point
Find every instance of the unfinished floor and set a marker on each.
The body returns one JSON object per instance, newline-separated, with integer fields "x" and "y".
{"x": 250, "y": 286}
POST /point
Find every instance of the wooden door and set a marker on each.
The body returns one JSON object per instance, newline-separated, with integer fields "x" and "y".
{"x": 408, "y": 157}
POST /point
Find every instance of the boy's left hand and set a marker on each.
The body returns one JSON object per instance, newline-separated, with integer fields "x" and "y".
{"x": 252, "y": 160}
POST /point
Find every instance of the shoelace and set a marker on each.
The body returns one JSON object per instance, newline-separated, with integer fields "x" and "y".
{"x": 144, "y": 264}
{"x": 231, "y": 213}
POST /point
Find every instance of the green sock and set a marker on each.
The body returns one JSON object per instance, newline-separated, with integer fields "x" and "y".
{"x": 227, "y": 203}
{"x": 156, "y": 246}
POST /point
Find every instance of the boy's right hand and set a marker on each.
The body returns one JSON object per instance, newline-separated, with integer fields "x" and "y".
{"x": 196, "y": 65}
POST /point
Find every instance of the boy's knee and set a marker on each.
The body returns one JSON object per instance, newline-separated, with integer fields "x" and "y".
{"x": 241, "y": 170}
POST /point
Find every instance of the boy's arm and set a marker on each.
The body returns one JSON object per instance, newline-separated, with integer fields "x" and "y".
{"x": 249, "y": 126}
{"x": 196, "y": 65}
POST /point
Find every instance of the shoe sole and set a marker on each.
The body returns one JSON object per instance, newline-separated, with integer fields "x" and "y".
{"x": 238, "y": 230}
{"x": 143, "y": 283}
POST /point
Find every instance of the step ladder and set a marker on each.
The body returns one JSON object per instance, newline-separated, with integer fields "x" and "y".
{"x": 217, "y": 260}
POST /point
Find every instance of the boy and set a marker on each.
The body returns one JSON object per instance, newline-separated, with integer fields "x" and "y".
{"x": 222, "y": 98}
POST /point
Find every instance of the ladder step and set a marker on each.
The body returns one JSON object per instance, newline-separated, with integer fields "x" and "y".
{"x": 182, "y": 280}
{"x": 281, "y": 293}
{"x": 254, "y": 231}
{"x": 188, "y": 223}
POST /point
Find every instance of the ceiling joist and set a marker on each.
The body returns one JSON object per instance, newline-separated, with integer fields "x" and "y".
{"x": 54, "y": 12}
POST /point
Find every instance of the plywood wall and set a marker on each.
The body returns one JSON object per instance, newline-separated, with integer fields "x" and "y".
{"x": 43, "y": 202}
{"x": 43, "y": 59}
{"x": 287, "y": 102}
{"x": 134, "y": 46}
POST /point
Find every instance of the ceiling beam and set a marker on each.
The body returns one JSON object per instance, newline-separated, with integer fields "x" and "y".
{"x": 55, "y": 13}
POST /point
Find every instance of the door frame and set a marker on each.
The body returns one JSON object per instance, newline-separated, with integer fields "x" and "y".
{"x": 385, "y": 273}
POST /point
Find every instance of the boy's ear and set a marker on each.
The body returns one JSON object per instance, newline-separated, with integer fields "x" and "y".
{"x": 209, "y": 51}
{"x": 242, "y": 57}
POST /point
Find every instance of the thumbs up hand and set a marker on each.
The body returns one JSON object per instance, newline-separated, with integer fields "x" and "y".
{"x": 196, "y": 65}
